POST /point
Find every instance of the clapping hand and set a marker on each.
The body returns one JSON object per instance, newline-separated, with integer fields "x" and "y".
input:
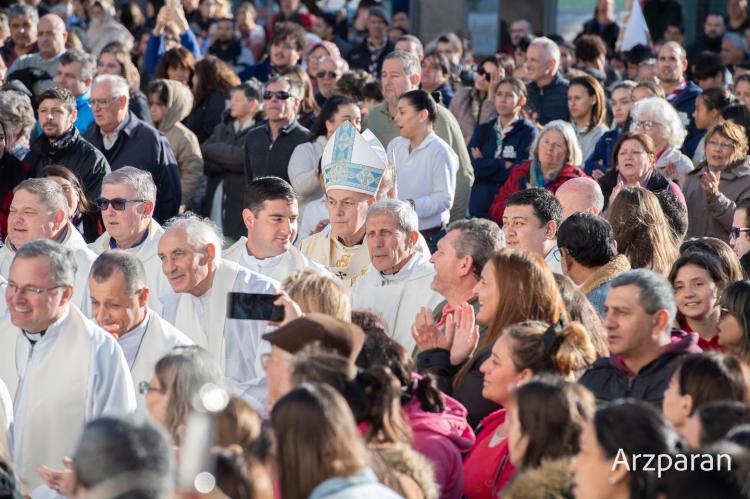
{"x": 462, "y": 332}
{"x": 426, "y": 333}
{"x": 710, "y": 183}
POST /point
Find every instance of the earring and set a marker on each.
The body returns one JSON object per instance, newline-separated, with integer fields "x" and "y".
{"x": 612, "y": 480}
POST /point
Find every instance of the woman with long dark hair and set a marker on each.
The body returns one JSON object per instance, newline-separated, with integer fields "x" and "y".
{"x": 212, "y": 82}
{"x": 82, "y": 213}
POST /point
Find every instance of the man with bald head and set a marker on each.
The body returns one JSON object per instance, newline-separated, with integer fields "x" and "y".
{"x": 671, "y": 65}
{"x": 51, "y": 38}
{"x": 580, "y": 194}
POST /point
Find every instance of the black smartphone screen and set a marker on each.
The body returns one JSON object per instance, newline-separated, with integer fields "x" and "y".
{"x": 254, "y": 306}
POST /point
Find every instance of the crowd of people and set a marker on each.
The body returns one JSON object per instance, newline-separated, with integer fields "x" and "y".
{"x": 464, "y": 278}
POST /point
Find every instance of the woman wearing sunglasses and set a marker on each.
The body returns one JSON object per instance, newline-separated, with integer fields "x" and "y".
{"x": 734, "y": 325}
{"x": 474, "y": 105}
{"x": 714, "y": 188}
{"x": 330, "y": 70}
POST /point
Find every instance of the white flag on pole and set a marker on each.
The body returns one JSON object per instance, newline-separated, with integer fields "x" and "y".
{"x": 636, "y": 29}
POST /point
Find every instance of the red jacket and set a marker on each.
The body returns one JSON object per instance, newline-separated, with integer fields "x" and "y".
{"x": 519, "y": 180}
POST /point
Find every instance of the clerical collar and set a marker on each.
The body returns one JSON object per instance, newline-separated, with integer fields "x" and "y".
{"x": 113, "y": 243}
{"x": 346, "y": 245}
{"x": 263, "y": 261}
{"x": 33, "y": 337}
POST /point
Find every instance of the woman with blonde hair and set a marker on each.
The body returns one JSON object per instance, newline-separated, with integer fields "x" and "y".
{"x": 713, "y": 190}
{"x": 315, "y": 292}
{"x": 642, "y": 231}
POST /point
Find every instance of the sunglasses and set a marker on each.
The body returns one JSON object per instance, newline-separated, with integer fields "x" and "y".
{"x": 118, "y": 204}
{"x": 736, "y": 231}
{"x": 281, "y": 95}
{"x": 327, "y": 74}
{"x": 483, "y": 72}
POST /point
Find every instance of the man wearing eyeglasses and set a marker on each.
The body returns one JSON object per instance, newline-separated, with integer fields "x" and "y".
{"x": 39, "y": 210}
{"x": 127, "y": 207}
{"x": 60, "y": 368}
{"x": 269, "y": 147}
{"x": 125, "y": 140}
{"x": 62, "y": 144}
{"x": 120, "y": 305}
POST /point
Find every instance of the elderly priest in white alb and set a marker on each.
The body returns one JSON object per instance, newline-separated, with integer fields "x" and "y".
{"x": 398, "y": 282}
{"x": 119, "y": 305}
{"x": 270, "y": 214}
{"x": 127, "y": 206}
{"x": 190, "y": 252}
{"x": 39, "y": 210}
{"x": 61, "y": 369}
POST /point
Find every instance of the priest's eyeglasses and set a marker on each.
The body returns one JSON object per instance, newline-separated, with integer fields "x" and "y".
{"x": 144, "y": 387}
{"x": 26, "y": 290}
{"x": 118, "y": 204}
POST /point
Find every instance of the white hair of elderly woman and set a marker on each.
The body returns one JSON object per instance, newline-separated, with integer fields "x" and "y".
{"x": 660, "y": 111}
{"x": 574, "y": 155}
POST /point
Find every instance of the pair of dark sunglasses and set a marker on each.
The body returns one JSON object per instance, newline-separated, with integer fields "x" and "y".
{"x": 118, "y": 204}
{"x": 327, "y": 74}
{"x": 281, "y": 95}
{"x": 483, "y": 72}
{"x": 736, "y": 231}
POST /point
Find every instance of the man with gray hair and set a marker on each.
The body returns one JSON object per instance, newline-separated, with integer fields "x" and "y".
{"x": 580, "y": 194}
{"x": 548, "y": 90}
{"x": 52, "y": 36}
{"x": 733, "y": 49}
{"x": 402, "y": 73}
{"x": 39, "y": 211}
{"x": 640, "y": 309}
{"x": 191, "y": 259}
{"x": 458, "y": 262}
{"x": 269, "y": 147}
{"x": 119, "y": 305}
{"x": 127, "y": 141}
{"x": 53, "y": 357}
{"x": 127, "y": 206}
{"x": 398, "y": 281}
{"x": 76, "y": 71}
{"x": 22, "y": 21}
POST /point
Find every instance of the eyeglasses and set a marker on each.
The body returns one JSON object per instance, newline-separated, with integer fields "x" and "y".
{"x": 327, "y": 74}
{"x": 735, "y": 232}
{"x": 281, "y": 95}
{"x": 103, "y": 102}
{"x": 144, "y": 387}
{"x": 647, "y": 125}
{"x": 26, "y": 290}
{"x": 117, "y": 203}
{"x": 724, "y": 146}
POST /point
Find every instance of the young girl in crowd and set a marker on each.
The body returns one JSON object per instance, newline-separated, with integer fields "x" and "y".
{"x": 734, "y": 326}
{"x": 600, "y": 159}
{"x": 588, "y": 110}
{"x": 544, "y": 433}
{"x": 521, "y": 352}
{"x": 626, "y": 427}
{"x": 698, "y": 280}
{"x": 499, "y": 144}
{"x": 703, "y": 378}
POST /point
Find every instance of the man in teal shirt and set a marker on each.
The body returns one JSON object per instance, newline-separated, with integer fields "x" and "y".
{"x": 75, "y": 71}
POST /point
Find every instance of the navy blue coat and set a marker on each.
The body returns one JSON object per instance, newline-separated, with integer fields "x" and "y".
{"x": 142, "y": 146}
{"x": 550, "y": 102}
{"x": 490, "y": 173}
{"x": 261, "y": 71}
{"x": 601, "y": 158}
{"x": 685, "y": 106}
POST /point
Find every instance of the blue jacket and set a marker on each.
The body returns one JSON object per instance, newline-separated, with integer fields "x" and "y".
{"x": 490, "y": 173}
{"x": 155, "y": 49}
{"x": 363, "y": 484}
{"x": 685, "y": 106}
{"x": 85, "y": 114}
{"x": 142, "y": 146}
{"x": 601, "y": 158}
{"x": 261, "y": 71}
{"x": 550, "y": 102}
